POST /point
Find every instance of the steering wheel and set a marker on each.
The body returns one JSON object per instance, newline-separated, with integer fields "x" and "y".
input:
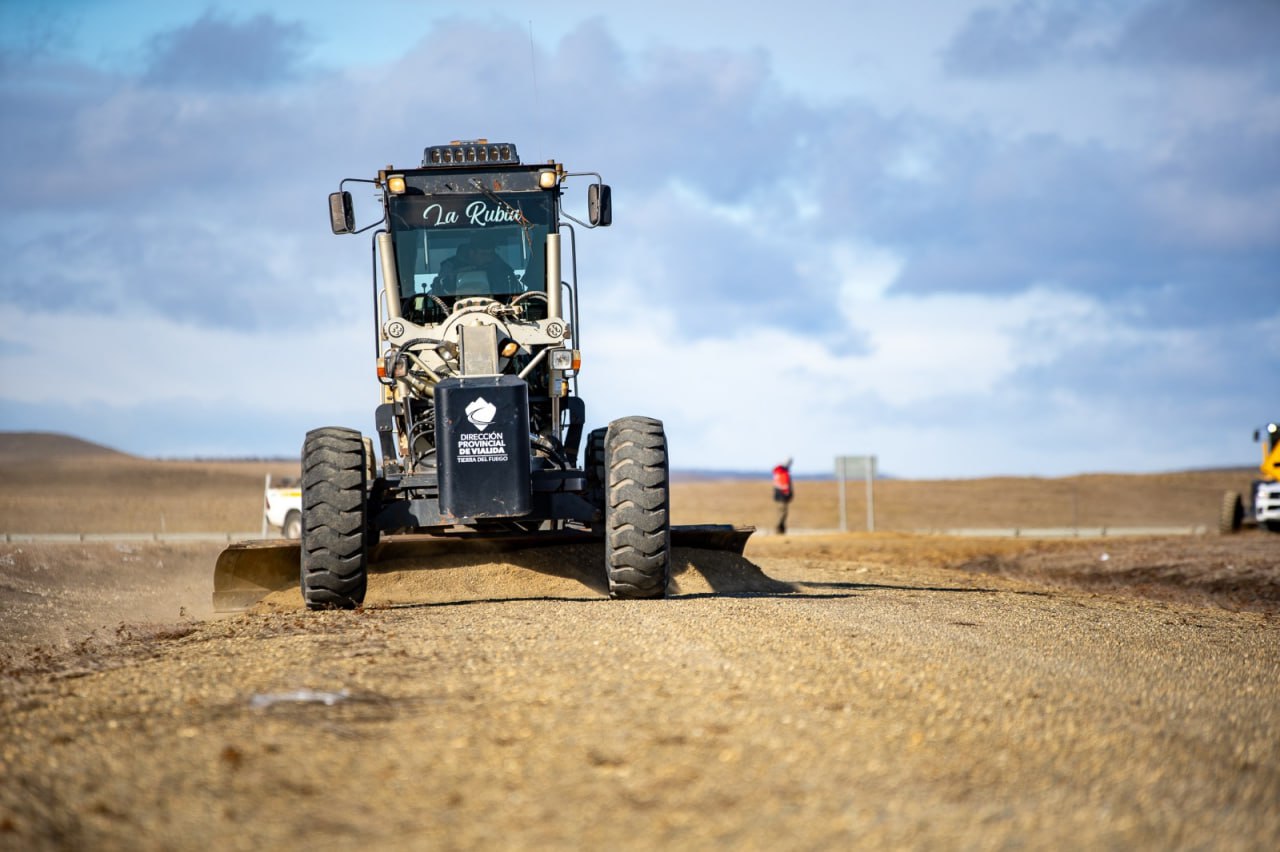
{"x": 417, "y": 313}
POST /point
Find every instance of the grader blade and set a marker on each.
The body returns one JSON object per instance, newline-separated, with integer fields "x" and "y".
{"x": 248, "y": 571}
{"x": 712, "y": 537}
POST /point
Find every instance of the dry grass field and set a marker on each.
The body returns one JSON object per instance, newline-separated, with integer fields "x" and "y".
{"x": 53, "y": 484}
{"x": 1091, "y": 500}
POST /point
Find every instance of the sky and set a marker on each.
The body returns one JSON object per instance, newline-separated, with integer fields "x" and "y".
{"x": 1028, "y": 238}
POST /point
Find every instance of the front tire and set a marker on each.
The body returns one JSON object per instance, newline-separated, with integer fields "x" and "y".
{"x": 292, "y": 526}
{"x": 637, "y": 509}
{"x": 335, "y": 540}
{"x": 1231, "y": 516}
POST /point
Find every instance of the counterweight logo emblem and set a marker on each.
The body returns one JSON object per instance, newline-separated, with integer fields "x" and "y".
{"x": 481, "y": 413}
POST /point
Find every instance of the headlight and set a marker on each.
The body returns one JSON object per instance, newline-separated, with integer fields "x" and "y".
{"x": 393, "y": 366}
{"x": 562, "y": 359}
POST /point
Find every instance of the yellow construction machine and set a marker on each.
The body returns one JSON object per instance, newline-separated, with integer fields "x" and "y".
{"x": 1262, "y": 509}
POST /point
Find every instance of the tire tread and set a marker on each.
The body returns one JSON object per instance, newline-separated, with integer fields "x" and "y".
{"x": 334, "y": 569}
{"x": 637, "y": 508}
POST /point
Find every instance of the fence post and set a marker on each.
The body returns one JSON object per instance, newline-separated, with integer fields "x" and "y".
{"x": 871, "y": 500}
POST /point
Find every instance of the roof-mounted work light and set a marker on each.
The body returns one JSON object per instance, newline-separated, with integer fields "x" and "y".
{"x": 471, "y": 153}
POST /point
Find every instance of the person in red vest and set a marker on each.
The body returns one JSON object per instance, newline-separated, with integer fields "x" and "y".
{"x": 782, "y": 493}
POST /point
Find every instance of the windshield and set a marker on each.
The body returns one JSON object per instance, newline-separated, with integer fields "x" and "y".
{"x": 449, "y": 246}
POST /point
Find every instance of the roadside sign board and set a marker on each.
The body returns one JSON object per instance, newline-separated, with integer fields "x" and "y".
{"x": 857, "y": 467}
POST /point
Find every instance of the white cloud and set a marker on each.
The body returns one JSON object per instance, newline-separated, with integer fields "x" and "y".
{"x": 930, "y": 345}
{"x": 143, "y": 359}
{"x": 942, "y": 384}
{"x": 865, "y": 273}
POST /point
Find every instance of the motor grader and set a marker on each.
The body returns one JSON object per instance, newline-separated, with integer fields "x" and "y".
{"x": 479, "y": 428}
{"x": 1263, "y": 506}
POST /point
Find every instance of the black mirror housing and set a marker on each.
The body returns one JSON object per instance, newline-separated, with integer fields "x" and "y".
{"x": 599, "y": 205}
{"x": 342, "y": 216}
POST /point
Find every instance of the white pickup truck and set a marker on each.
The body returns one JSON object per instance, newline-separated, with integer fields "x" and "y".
{"x": 282, "y": 507}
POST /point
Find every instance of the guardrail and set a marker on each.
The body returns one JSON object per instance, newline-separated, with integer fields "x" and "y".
{"x": 1066, "y": 532}
{"x": 1014, "y": 532}
{"x": 168, "y": 537}
{"x": 959, "y": 532}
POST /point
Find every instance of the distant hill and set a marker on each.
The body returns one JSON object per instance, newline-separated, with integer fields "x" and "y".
{"x": 32, "y": 446}
{"x": 22, "y": 446}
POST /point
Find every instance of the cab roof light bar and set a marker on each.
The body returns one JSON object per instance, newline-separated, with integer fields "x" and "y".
{"x": 470, "y": 153}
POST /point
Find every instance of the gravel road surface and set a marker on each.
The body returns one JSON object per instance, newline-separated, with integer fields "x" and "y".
{"x": 804, "y": 697}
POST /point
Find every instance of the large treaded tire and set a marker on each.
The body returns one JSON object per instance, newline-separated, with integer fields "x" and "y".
{"x": 1231, "y": 516}
{"x": 335, "y": 540}
{"x": 593, "y": 464}
{"x": 637, "y": 509}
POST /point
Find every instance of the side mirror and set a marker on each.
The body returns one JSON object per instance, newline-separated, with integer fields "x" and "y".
{"x": 599, "y": 205}
{"x": 342, "y": 216}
